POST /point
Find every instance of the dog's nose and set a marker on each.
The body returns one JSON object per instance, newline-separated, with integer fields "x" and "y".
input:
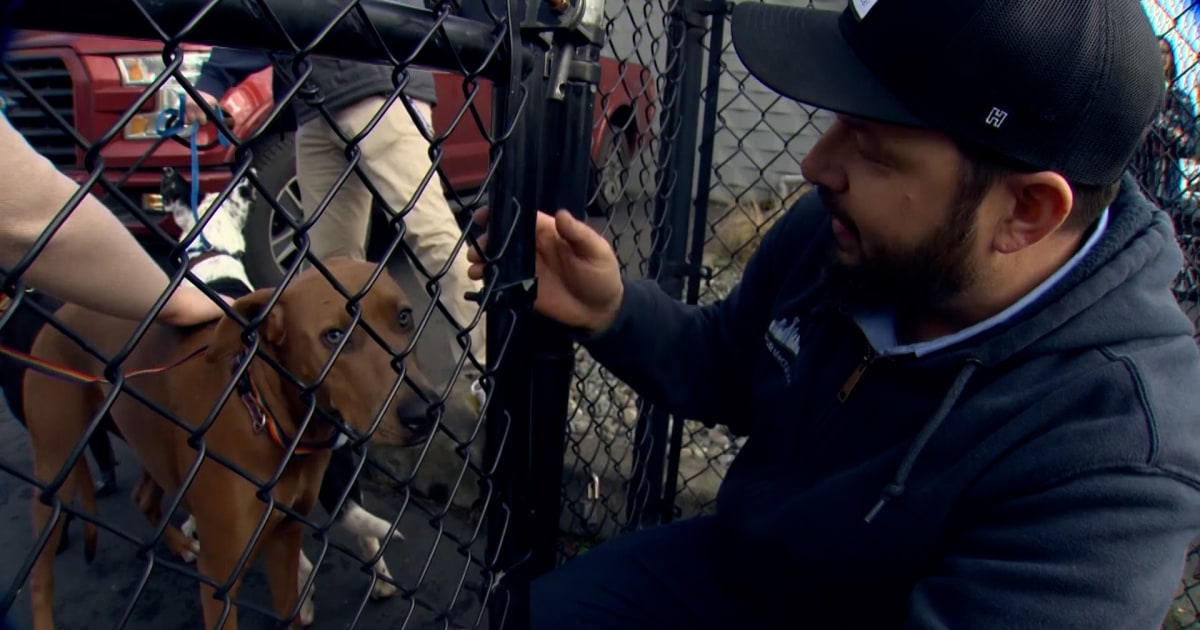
{"x": 419, "y": 417}
{"x": 419, "y": 425}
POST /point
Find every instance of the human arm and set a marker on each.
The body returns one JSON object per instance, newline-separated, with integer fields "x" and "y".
{"x": 92, "y": 260}
{"x": 1101, "y": 550}
{"x": 698, "y": 361}
{"x": 225, "y": 68}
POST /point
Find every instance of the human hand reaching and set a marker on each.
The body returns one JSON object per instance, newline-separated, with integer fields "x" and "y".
{"x": 189, "y": 306}
{"x": 192, "y": 112}
{"x": 579, "y": 281}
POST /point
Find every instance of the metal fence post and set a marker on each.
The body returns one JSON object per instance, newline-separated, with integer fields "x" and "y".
{"x": 509, "y": 294}
{"x": 716, "y": 41}
{"x": 551, "y": 161}
{"x": 646, "y": 503}
{"x": 571, "y": 72}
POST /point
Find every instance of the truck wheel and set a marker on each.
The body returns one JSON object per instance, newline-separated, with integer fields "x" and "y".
{"x": 610, "y": 174}
{"x": 269, "y": 247}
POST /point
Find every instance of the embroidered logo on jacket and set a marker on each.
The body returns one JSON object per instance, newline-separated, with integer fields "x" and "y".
{"x": 783, "y": 342}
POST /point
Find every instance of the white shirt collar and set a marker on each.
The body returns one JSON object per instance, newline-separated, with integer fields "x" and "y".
{"x": 880, "y": 326}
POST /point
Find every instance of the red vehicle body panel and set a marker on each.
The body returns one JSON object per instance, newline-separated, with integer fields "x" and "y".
{"x": 100, "y": 100}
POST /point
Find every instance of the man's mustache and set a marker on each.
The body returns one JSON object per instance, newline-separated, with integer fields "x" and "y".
{"x": 835, "y": 209}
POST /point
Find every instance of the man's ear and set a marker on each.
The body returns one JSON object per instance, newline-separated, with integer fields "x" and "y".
{"x": 1041, "y": 203}
{"x": 227, "y": 338}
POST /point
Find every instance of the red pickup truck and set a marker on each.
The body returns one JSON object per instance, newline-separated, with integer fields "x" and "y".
{"x": 91, "y": 81}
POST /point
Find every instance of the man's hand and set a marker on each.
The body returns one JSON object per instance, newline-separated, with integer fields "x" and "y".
{"x": 194, "y": 114}
{"x": 189, "y": 306}
{"x": 579, "y": 282}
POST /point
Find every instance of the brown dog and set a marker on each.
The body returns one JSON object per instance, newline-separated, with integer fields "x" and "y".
{"x": 252, "y": 430}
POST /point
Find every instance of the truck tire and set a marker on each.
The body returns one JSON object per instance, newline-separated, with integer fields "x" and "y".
{"x": 609, "y": 177}
{"x": 275, "y": 163}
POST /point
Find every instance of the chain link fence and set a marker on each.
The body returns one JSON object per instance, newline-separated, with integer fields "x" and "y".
{"x": 1167, "y": 167}
{"x": 720, "y": 168}
{"x": 326, "y": 444}
{"x": 646, "y": 123}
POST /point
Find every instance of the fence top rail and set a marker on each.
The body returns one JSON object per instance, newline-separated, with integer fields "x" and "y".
{"x": 451, "y": 43}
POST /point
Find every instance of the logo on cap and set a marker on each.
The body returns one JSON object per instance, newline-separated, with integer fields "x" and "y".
{"x": 863, "y": 7}
{"x": 996, "y": 117}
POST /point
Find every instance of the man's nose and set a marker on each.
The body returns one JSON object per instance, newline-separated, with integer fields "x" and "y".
{"x": 824, "y": 165}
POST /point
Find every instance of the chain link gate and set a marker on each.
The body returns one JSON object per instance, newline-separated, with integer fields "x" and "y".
{"x": 720, "y": 166}
{"x": 477, "y": 526}
{"x": 692, "y": 161}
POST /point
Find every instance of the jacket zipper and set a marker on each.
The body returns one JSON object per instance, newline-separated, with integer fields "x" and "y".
{"x": 856, "y": 375}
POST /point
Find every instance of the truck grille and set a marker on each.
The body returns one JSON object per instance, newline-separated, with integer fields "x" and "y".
{"x": 49, "y": 78}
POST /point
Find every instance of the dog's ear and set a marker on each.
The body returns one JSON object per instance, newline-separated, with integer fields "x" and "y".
{"x": 244, "y": 189}
{"x": 172, "y": 186}
{"x": 227, "y": 338}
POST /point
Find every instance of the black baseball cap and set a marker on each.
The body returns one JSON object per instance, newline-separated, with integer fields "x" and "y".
{"x": 1064, "y": 85}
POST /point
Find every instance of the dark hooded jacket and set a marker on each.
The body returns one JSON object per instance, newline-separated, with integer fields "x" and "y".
{"x": 337, "y": 83}
{"x": 1042, "y": 474}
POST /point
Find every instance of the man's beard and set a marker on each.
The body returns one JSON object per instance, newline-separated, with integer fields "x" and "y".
{"x": 927, "y": 276}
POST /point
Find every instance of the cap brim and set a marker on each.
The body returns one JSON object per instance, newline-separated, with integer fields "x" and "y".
{"x": 802, "y": 54}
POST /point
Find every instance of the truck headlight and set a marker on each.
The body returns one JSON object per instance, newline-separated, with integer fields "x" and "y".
{"x": 138, "y": 70}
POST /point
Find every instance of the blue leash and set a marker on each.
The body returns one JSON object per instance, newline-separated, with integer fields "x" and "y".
{"x": 163, "y": 128}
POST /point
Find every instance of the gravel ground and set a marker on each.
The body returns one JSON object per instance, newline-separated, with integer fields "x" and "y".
{"x": 603, "y": 414}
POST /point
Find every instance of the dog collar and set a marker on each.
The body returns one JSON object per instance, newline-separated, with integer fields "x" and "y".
{"x": 264, "y": 421}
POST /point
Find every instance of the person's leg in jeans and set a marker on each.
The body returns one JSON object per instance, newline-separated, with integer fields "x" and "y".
{"x": 342, "y": 228}
{"x": 395, "y": 158}
{"x": 658, "y": 578}
{"x": 321, "y": 160}
{"x": 432, "y": 231}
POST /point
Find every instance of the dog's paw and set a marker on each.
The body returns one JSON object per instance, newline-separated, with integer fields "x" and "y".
{"x": 382, "y": 590}
{"x": 189, "y": 527}
{"x": 383, "y": 587}
{"x": 308, "y": 613}
{"x": 190, "y": 554}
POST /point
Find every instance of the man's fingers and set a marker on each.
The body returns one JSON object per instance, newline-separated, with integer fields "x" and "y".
{"x": 480, "y": 217}
{"x": 473, "y": 253}
{"x": 579, "y": 235}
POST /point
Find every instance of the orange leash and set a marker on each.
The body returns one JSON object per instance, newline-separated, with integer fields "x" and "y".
{"x": 262, "y": 418}
{"x": 74, "y": 376}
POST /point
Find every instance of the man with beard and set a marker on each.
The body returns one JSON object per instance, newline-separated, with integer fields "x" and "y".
{"x": 971, "y": 400}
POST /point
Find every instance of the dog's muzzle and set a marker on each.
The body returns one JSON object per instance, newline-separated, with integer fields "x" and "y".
{"x": 419, "y": 418}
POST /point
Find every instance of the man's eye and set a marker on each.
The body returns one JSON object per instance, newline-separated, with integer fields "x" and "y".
{"x": 333, "y": 336}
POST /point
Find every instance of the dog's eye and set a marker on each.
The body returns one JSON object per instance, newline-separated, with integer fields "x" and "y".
{"x": 405, "y": 318}
{"x": 333, "y": 336}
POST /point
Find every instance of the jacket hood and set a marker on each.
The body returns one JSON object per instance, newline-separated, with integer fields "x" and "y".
{"x": 1117, "y": 293}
